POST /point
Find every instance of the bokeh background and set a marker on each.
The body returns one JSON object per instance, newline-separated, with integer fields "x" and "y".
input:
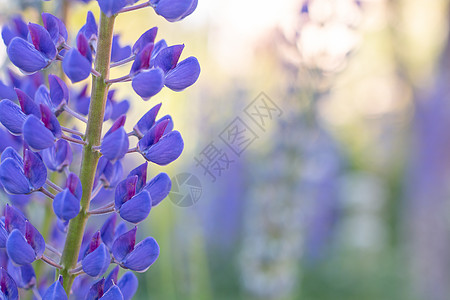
{"x": 344, "y": 191}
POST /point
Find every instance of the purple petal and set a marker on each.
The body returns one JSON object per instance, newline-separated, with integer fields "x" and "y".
{"x": 28, "y": 106}
{"x": 34, "y": 169}
{"x": 42, "y": 41}
{"x": 118, "y": 52}
{"x": 66, "y": 205}
{"x": 153, "y": 135}
{"x": 148, "y": 83}
{"x": 145, "y": 39}
{"x": 42, "y": 96}
{"x": 34, "y": 239}
{"x": 11, "y": 116}
{"x": 137, "y": 208}
{"x": 73, "y": 183}
{"x": 111, "y": 279}
{"x": 147, "y": 121}
{"x": 141, "y": 173}
{"x": 97, "y": 262}
{"x": 9, "y": 152}
{"x": 183, "y": 75}
{"x": 111, "y": 7}
{"x": 50, "y": 121}
{"x": 55, "y": 28}
{"x": 113, "y": 293}
{"x": 142, "y": 60}
{"x": 59, "y": 93}
{"x": 76, "y": 66}
{"x": 174, "y": 10}
{"x": 125, "y": 190}
{"x": 119, "y": 109}
{"x": 3, "y": 233}
{"x": 143, "y": 256}
{"x": 24, "y": 276}
{"x": 83, "y": 47}
{"x": 7, "y": 92}
{"x": 16, "y": 28}
{"x": 7, "y": 286}
{"x": 168, "y": 148}
{"x": 128, "y": 284}
{"x": 168, "y": 57}
{"x": 96, "y": 290}
{"x": 108, "y": 230}
{"x": 115, "y": 145}
{"x": 55, "y": 292}
{"x": 124, "y": 244}
{"x": 90, "y": 29}
{"x": 14, "y": 219}
{"x": 37, "y": 136}
{"x": 58, "y": 156}
{"x": 169, "y": 126}
{"x": 120, "y": 122}
{"x": 19, "y": 251}
{"x": 13, "y": 179}
{"x": 159, "y": 187}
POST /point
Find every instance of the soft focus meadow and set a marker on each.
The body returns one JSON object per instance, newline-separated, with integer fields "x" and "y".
{"x": 315, "y": 163}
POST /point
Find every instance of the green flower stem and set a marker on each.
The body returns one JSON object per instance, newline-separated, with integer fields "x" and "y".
{"x": 90, "y": 156}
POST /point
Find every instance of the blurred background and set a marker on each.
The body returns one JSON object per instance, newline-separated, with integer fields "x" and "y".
{"x": 316, "y": 163}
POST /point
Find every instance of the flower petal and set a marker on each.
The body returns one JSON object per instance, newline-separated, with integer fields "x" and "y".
{"x": 24, "y": 56}
{"x": 108, "y": 230}
{"x": 141, "y": 173}
{"x": 55, "y": 292}
{"x": 147, "y": 121}
{"x": 124, "y": 244}
{"x": 137, "y": 208}
{"x": 168, "y": 149}
{"x": 115, "y": 145}
{"x": 167, "y": 58}
{"x": 114, "y": 293}
{"x": 28, "y": 106}
{"x": 11, "y": 116}
{"x": 145, "y": 39}
{"x": 34, "y": 239}
{"x": 148, "y": 83}
{"x": 37, "y": 136}
{"x": 66, "y": 205}
{"x": 34, "y": 169}
{"x": 24, "y": 276}
{"x": 128, "y": 284}
{"x": 55, "y": 28}
{"x": 97, "y": 262}
{"x": 19, "y": 251}
{"x": 42, "y": 41}
{"x": 73, "y": 183}
{"x": 183, "y": 75}
{"x": 125, "y": 190}
{"x": 59, "y": 93}
{"x": 159, "y": 187}
{"x": 76, "y": 66}
{"x": 58, "y": 156}
{"x": 111, "y": 7}
{"x": 174, "y": 10}
{"x": 8, "y": 286}
{"x": 12, "y": 178}
{"x": 143, "y": 256}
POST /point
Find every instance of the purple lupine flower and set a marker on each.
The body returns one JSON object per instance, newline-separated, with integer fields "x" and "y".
{"x": 115, "y": 142}
{"x": 32, "y": 56}
{"x": 16, "y": 28}
{"x": 160, "y": 147}
{"x": 55, "y": 28}
{"x": 99, "y": 291}
{"x": 96, "y": 258}
{"x": 108, "y": 173}
{"x": 8, "y": 288}
{"x": 24, "y": 244}
{"x": 77, "y": 63}
{"x": 41, "y": 134}
{"x": 134, "y": 197}
{"x": 174, "y": 10}
{"x": 55, "y": 291}
{"x": 21, "y": 176}
{"x": 57, "y": 157}
{"x": 127, "y": 284}
{"x": 135, "y": 257}
{"x": 67, "y": 203}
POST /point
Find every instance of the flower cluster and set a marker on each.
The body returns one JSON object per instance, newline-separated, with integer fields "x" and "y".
{"x": 42, "y": 151}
